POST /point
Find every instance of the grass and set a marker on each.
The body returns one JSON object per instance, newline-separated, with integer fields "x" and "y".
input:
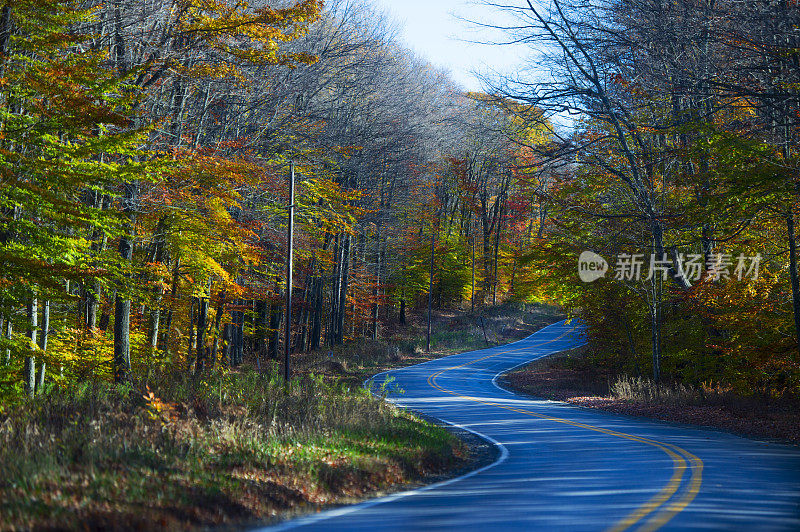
{"x": 452, "y": 331}
{"x": 235, "y": 447}
{"x": 644, "y": 390}
{"x": 228, "y": 449}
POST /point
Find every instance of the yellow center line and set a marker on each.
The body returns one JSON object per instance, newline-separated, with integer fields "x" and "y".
{"x": 677, "y": 454}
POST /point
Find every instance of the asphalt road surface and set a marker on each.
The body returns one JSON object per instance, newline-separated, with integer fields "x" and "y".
{"x": 561, "y": 467}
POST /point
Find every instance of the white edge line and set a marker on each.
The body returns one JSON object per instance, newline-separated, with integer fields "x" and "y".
{"x": 345, "y": 510}
{"x": 509, "y": 370}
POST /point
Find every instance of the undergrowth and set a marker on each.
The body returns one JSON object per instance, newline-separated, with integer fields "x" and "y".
{"x": 225, "y": 448}
{"x": 452, "y": 332}
{"x": 647, "y": 391}
{"x": 172, "y": 451}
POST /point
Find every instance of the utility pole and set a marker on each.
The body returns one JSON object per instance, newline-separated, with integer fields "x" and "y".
{"x": 430, "y": 291}
{"x": 289, "y": 252}
{"x": 472, "y": 294}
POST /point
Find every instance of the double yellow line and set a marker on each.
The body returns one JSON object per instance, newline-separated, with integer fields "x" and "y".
{"x": 663, "y": 506}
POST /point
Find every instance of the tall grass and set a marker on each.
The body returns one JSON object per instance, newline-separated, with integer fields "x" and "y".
{"x": 182, "y": 441}
{"x": 95, "y": 422}
{"x": 645, "y": 390}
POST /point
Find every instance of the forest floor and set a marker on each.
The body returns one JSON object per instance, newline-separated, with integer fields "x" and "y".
{"x": 452, "y": 331}
{"x": 573, "y": 377}
{"x": 238, "y": 447}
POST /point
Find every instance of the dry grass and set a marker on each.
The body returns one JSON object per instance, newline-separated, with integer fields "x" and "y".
{"x": 453, "y": 331}
{"x": 644, "y": 390}
{"x": 572, "y": 377}
{"x": 229, "y": 449}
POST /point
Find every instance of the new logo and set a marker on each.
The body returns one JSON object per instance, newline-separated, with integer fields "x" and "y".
{"x": 591, "y": 267}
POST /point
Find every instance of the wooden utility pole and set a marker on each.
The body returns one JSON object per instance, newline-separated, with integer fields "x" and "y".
{"x": 289, "y": 252}
{"x": 430, "y": 291}
{"x": 472, "y": 294}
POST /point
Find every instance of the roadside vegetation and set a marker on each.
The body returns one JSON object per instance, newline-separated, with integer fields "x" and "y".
{"x": 235, "y": 446}
{"x": 453, "y": 331}
{"x": 585, "y": 378}
{"x": 232, "y": 447}
{"x": 671, "y": 227}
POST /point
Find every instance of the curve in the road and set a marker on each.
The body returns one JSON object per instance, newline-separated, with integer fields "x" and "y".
{"x": 562, "y": 467}
{"x": 678, "y": 455}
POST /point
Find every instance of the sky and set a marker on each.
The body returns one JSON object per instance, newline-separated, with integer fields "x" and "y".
{"x": 434, "y": 29}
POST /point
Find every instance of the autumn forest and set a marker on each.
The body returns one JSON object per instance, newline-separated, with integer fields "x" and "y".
{"x": 146, "y": 152}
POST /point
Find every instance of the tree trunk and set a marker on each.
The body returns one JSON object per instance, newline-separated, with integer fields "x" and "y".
{"x": 30, "y": 362}
{"x": 173, "y": 297}
{"x": 157, "y": 257}
{"x": 336, "y": 289}
{"x": 430, "y": 292}
{"x": 122, "y": 345}
{"x": 497, "y": 253}
{"x": 9, "y": 331}
{"x": 240, "y": 339}
{"x": 43, "y": 338}
{"x": 794, "y": 276}
{"x": 375, "y": 306}
{"x": 202, "y": 318}
{"x": 92, "y": 296}
{"x": 655, "y": 326}
{"x": 122, "y": 309}
{"x": 227, "y": 333}
{"x": 316, "y": 328}
{"x": 155, "y": 319}
{"x": 262, "y": 324}
{"x": 99, "y": 239}
{"x": 487, "y": 267}
{"x": 190, "y": 350}
{"x": 237, "y": 336}
{"x": 217, "y": 321}
{"x": 301, "y": 331}
{"x": 343, "y": 291}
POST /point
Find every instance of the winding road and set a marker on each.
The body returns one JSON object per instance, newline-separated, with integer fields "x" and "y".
{"x": 560, "y": 467}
